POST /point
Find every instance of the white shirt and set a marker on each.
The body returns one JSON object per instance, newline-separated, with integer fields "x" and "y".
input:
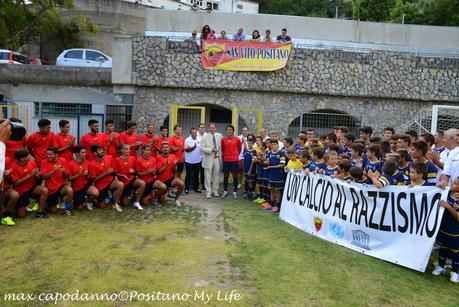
{"x": 243, "y": 145}
{"x": 199, "y": 136}
{"x": 194, "y": 156}
{"x": 451, "y": 167}
{"x": 2, "y": 160}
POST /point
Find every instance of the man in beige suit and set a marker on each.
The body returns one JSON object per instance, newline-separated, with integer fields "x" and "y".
{"x": 211, "y": 159}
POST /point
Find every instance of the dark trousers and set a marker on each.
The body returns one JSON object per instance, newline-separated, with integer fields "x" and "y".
{"x": 201, "y": 176}
{"x": 192, "y": 175}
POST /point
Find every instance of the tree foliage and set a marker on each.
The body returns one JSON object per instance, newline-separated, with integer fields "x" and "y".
{"x": 23, "y": 22}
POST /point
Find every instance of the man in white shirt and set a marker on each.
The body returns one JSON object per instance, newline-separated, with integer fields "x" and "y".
{"x": 451, "y": 165}
{"x": 192, "y": 161}
{"x": 201, "y": 133}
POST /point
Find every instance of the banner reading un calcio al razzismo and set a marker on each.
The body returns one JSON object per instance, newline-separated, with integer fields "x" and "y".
{"x": 244, "y": 56}
{"x": 396, "y": 224}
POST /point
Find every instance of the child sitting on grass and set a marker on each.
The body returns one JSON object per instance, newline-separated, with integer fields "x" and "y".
{"x": 448, "y": 235}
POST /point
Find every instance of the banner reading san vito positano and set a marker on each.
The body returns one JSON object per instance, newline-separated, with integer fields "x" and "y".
{"x": 396, "y": 224}
{"x": 244, "y": 56}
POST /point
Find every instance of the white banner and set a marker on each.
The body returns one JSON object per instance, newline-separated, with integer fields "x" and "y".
{"x": 397, "y": 224}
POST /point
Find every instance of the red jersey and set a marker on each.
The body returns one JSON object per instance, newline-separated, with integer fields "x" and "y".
{"x": 6, "y": 179}
{"x": 179, "y": 143}
{"x": 147, "y": 139}
{"x": 19, "y": 172}
{"x": 12, "y": 146}
{"x": 96, "y": 168}
{"x": 111, "y": 149}
{"x": 231, "y": 148}
{"x": 142, "y": 165}
{"x": 60, "y": 141}
{"x": 57, "y": 179}
{"x": 74, "y": 168}
{"x": 122, "y": 166}
{"x": 159, "y": 144}
{"x": 169, "y": 171}
{"x": 130, "y": 139}
{"x": 38, "y": 143}
{"x": 89, "y": 139}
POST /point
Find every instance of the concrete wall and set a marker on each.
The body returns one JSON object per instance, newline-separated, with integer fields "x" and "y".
{"x": 306, "y": 27}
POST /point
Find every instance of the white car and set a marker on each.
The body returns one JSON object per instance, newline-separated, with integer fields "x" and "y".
{"x": 83, "y": 58}
{"x": 11, "y": 57}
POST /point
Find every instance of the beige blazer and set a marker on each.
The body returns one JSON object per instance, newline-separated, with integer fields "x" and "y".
{"x": 206, "y": 149}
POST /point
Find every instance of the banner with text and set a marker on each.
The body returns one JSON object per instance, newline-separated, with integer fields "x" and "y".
{"x": 244, "y": 56}
{"x": 396, "y": 224}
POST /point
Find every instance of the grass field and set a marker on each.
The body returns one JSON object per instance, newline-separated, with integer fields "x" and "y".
{"x": 222, "y": 245}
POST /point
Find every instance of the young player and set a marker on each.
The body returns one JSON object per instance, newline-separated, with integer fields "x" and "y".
{"x": 146, "y": 171}
{"x": 357, "y": 151}
{"x": 418, "y": 153}
{"x": 24, "y": 174}
{"x": 54, "y": 172}
{"x": 102, "y": 172}
{"x": 373, "y": 163}
{"x": 64, "y": 142}
{"x": 388, "y": 133}
{"x": 358, "y": 176}
{"x": 131, "y": 138}
{"x": 259, "y": 160}
{"x": 166, "y": 165}
{"x": 288, "y": 144}
{"x": 84, "y": 193}
{"x": 150, "y": 138}
{"x": 365, "y": 134}
{"x": 413, "y": 135}
{"x": 404, "y": 164}
{"x": 249, "y": 167}
{"x": 448, "y": 235}
{"x": 38, "y": 142}
{"x": 110, "y": 139}
{"x": 10, "y": 196}
{"x": 318, "y": 161}
{"x": 294, "y": 164}
{"x": 394, "y": 143}
{"x": 417, "y": 171}
{"x": 177, "y": 146}
{"x": 388, "y": 176}
{"x": 305, "y": 159}
{"x": 331, "y": 169}
{"x": 349, "y": 140}
{"x": 276, "y": 164}
{"x": 12, "y": 145}
{"x": 124, "y": 166}
{"x": 301, "y": 145}
{"x": 163, "y": 138}
{"x": 231, "y": 146}
{"x": 93, "y": 137}
{"x": 344, "y": 168}
{"x": 403, "y": 142}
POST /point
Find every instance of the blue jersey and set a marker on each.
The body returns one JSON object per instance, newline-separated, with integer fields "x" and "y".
{"x": 315, "y": 166}
{"x": 372, "y": 166}
{"x": 439, "y": 150}
{"x": 307, "y": 166}
{"x": 431, "y": 175}
{"x": 275, "y": 159}
{"x": 347, "y": 151}
{"x": 331, "y": 171}
{"x": 449, "y": 225}
{"x": 387, "y": 179}
{"x": 248, "y": 158}
{"x": 299, "y": 149}
{"x": 405, "y": 172}
{"x": 360, "y": 163}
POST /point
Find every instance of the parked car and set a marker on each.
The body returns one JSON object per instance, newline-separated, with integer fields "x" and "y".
{"x": 12, "y": 57}
{"x": 84, "y": 58}
{"x": 36, "y": 61}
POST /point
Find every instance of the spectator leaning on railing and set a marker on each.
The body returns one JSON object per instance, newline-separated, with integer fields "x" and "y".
{"x": 239, "y": 36}
{"x": 255, "y": 36}
{"x": 283, "y": 37}
{"x": 268, "y": 38}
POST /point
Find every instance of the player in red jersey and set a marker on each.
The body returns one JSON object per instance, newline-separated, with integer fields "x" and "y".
{"x": 64, "y": 142}
{"x": 11, "y": 145}
{"x": 163, "y": 138}
{"x": 110, "y": 139}
{"x": 84, "y": 192}
{"x": 150, "y": 138}
{"x": 24, "y": 176}
{"x": 102, "y": 172}
{"x": 54, "y": 171}
{"x": 146, "y": 170}
{"x": 177, "y": 145}
{"x": 125, "y": 171}
{"x": 93, "y": 137}
{"x": 39, "y": 141}
{"x": 10, "y": 196}
{"x": 131, "y": 138}
{"x": 166, "y": 164}
{"x": 231, "y": 147}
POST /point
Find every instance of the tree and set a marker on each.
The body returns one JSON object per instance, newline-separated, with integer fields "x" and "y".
{"x": 372, "y": 10}
{"x": 24, "y": 22}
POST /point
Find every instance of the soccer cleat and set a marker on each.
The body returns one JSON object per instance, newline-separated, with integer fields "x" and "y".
{"x": 34, "y": 206}
{"x": 216, "y": 195}
{"x": 265, "y": 205}
{"x": 172, "y": 194}
{"x": 89, "y": 206}
{"x": 117, "y": 208}
{"x": 67, "y": 212}
{"x": 208, "y": 196}
{"x": 41, "y": 215}
{"x": 239, "y": 186}
{"x": 261, "y": 201}
{"x": 454, "y": 277}
{"x": 438, "y": 271}
{"x": 138, "y": 206}
{"x": 275, "y": 209}
{"x": 257, "y": 200}
{"x": 177, "y": 203}
{"x": 224, "y": 194}
{"x": 8, "y": 221}
{"x": 269, "y": 208}
{"x": 235, "y": 195}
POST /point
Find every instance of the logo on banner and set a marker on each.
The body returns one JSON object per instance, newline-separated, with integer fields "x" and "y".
{"x": 361, "y": 239}
{"x": 337, "y": 230}
{"x": 318, "y": 223}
